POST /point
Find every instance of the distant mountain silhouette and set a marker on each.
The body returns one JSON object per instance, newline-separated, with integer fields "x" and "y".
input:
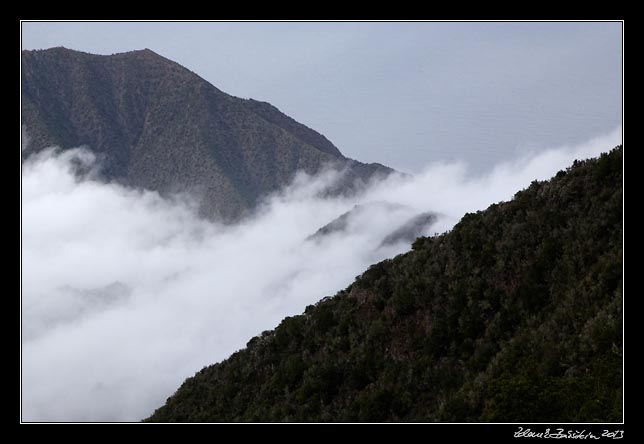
{"x": 406, "y": 232}
{"x": 341, "y": 223}
{"x": 159, "y": 126}
{"x": 411, "y": 229}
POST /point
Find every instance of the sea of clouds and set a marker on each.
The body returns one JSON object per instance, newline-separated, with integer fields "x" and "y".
{"x": 125, "y": 293}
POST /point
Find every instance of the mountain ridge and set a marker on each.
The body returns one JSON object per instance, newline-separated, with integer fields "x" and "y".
{"x": 160, "y": 126}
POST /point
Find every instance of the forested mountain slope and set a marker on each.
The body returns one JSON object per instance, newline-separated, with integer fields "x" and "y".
{"x": 515, "y": 315}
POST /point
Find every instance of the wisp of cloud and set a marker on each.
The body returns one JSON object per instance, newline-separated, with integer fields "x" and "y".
{"x": 126, "y": 293}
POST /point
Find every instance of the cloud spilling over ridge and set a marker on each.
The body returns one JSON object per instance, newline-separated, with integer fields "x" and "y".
{"x": 125, "y": 294}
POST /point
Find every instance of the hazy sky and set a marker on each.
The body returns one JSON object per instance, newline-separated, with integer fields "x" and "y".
{"x": 402, "y": 94}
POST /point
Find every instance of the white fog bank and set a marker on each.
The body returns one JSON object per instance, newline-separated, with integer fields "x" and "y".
{"x": 125, "y": 294}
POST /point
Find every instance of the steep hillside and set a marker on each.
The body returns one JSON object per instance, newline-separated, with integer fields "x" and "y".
{"x": 159, "y": 126}
{"x": 513, "y": 316}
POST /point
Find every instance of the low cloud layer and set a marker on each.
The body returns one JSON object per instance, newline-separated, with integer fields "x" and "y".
{"x": 125, "y": 294}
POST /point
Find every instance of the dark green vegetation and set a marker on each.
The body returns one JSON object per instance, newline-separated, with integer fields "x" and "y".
{"x": 515, "y": 315}
{"x": 159, "y": 126}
